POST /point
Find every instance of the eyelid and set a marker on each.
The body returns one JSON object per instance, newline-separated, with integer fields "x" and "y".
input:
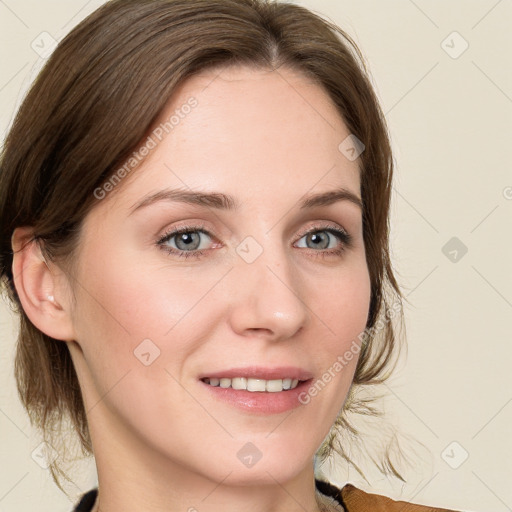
{"x": 321, "y": 225}
{"x": 177, "y": 230}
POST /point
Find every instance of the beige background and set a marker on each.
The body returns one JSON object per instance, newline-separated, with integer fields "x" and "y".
{"x": 450, "y": 115}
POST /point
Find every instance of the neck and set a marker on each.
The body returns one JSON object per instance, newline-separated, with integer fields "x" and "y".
{"x": 133, "y": 477}
{"x": 220, "y": 497}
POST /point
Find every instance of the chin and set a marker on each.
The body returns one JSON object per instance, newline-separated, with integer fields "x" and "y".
{"x": 261, "y": 474}
{"x": 248, "y": 464}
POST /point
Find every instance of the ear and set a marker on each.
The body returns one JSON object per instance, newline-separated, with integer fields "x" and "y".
{"x": 42, "y": 292}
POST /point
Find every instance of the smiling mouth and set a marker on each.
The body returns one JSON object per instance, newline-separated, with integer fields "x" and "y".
{"x": 254, "y": 385}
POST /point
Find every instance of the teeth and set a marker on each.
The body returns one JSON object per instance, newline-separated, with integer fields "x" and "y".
{"x": 238, "y": 383}
{"x": 225, "y": 383}
{"x": 256, "y": 385}
{"x": 271, "y": 386}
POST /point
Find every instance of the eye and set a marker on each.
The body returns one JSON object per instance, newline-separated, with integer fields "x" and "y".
{"x": 326, "y": 241}
{"x": 192, "y": 241}
{"x": 185, "y": 242}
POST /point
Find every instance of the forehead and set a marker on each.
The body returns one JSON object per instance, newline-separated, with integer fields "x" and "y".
{"x": 246, "y": 131}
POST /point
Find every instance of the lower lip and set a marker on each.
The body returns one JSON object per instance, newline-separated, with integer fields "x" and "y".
{"x": 262, "y": 402}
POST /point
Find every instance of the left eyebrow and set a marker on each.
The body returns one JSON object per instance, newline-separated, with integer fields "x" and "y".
{"x": 221, "y": 201}
{"x": 328, "y": 198}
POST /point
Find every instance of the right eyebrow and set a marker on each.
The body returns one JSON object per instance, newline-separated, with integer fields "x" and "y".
{"x": 209, "y": 199}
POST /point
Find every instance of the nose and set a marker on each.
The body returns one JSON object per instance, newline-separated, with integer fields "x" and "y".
{"x": 266, "y": 298}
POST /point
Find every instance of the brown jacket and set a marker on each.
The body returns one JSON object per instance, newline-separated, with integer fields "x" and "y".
{"x": 353, "y": 499}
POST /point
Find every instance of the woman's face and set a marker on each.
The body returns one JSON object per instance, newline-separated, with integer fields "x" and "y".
{"x": 260, "y": 285}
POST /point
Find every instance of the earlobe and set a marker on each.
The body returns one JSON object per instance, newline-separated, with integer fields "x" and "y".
{"x": 39, "y": 288}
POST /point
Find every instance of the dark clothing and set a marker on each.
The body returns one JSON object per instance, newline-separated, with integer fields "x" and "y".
{"x": 87, "y": 501}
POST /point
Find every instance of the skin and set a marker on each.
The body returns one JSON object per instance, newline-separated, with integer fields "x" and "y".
{"x": 161, "y": 442}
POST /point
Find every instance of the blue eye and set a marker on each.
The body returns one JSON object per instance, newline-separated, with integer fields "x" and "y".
{"x": 186, "y": 241}
{"x": 321, "y": 239}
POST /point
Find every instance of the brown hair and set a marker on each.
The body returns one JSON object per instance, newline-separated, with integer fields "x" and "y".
{"x": 95, "y": 100}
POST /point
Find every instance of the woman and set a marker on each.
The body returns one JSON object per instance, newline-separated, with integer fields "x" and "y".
{"x": 194, "y": 204}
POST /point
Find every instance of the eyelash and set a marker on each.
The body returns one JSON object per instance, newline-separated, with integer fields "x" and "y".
{"x": 344, "y": 237}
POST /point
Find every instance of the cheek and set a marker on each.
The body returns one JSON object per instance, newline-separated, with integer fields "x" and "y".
{"x": 141, "y": 299}
{"x": 124, "y": 308}
{"x": 342, "y": 315}
{"x": 135, "y": 333}
{"x": 343, "y": 304}
{"x": 132, "y": 313}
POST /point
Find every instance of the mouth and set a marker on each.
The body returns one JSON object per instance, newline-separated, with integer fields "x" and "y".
{"x": 258, "y": 389}
{"x": 254, "y": 385}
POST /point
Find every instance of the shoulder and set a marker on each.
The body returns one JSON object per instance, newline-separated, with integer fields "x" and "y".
{"x": 355, "y": 500}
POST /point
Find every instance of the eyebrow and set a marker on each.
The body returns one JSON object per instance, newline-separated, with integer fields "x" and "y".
{"x": 221, "y": 201}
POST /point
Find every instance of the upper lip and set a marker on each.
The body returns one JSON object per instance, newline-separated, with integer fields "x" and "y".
{"x": 261, "y": 372}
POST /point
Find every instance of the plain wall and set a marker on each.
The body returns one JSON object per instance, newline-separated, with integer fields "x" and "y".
{"x": 450, "y": 117}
